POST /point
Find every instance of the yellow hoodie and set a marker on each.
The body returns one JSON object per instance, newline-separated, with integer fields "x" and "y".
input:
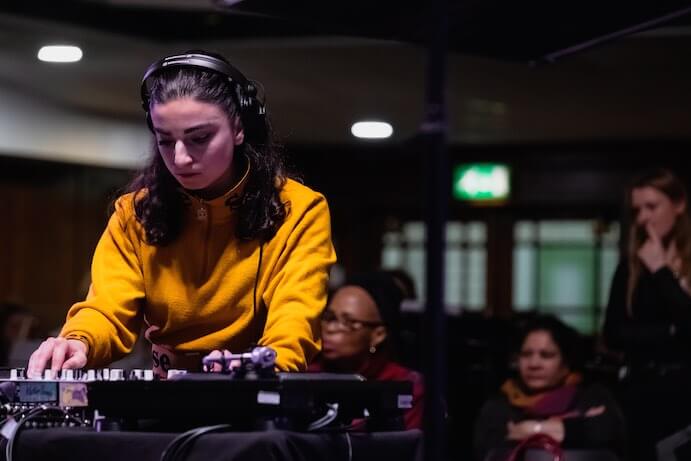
{"x": 198, "y": 292}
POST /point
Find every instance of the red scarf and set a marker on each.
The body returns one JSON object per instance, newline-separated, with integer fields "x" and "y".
{"x": 551, "y": 403}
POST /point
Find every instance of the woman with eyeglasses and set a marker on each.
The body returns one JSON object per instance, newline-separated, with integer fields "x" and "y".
{"x": 357, "y": 336}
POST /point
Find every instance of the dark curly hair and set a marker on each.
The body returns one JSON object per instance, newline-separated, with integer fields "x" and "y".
{"x": 567, "y": 339}
{"x": 159, "y": 202}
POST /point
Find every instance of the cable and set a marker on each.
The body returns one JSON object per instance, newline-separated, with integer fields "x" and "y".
{"x": 171, "y": 450}
{"x": 329, "y": 417}
{"x": 15, "y": 430}
{"x": 10, "y": 415}
{"x": 350, "y": 446}
{"x": 33, "y": 413}
{"x": 257, "y": 333}
{"x": 320, "y": 425}
{"x": 225, "y": 365}
{"x": 187, "y": 443}
{"x": 180, "y": 445}
{"x": 183, "y": 441}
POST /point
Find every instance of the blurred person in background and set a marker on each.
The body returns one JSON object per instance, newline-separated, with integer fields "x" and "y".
{"x": 648, "y": 318}
{"x": 549, "y": 395}
{"x": 358, "y": 335}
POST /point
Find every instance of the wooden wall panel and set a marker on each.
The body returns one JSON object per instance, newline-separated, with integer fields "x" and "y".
{"x": 53, "y": 216}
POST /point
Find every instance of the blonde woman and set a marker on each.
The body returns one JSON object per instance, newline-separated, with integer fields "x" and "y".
{"x": 648, "y": 316}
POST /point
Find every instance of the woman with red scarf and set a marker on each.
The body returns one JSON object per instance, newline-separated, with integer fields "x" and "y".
{"x": 549, "y": 397}
{"x": 357, "y": 335}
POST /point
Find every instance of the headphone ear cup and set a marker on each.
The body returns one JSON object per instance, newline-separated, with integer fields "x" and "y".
{"x": 240, "y": 96}
{"x": 145, "y": 106}
{"x": 249, "y": 101}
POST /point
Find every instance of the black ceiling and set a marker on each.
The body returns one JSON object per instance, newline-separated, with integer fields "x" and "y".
{"x": 319, "y": 81}
{"x": 506, "y": 29}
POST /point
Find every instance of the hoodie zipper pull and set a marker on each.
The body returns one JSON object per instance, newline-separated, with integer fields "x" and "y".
{"x": 202, "y": 212}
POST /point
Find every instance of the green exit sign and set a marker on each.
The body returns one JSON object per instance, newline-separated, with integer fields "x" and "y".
{"x": 481, "y": 182}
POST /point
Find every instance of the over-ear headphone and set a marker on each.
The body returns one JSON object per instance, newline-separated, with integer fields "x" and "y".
{"x": 252, "y": 110}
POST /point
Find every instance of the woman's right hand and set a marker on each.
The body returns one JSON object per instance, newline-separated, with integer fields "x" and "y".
{"x": 221, "y": 361}
{"x": 652, "y": 252}
{"x": 60, "y": 353}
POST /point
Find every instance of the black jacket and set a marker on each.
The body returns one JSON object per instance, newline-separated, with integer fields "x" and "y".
{"x": 603, "y": 432}
{"x": 660, "y": 329}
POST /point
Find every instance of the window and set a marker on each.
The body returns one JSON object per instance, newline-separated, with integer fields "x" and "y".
{"x": 465, "y": 262}
{"x": 565, "y": 268}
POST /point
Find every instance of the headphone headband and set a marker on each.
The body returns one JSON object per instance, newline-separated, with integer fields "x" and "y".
{"x": 198, "y": 60}
{"x": 245, "y": 91}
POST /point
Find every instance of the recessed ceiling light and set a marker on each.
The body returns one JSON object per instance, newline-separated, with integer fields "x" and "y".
{"x": 371, "y": 130}
{"x": 60, "y": 53}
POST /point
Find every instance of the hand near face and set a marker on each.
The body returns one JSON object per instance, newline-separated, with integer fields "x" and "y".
{"x": 652, "y": 252}
{"x": 60, "y": 353}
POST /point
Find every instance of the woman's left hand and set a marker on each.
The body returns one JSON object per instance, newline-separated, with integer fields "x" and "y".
{"x": 524, "y": 429}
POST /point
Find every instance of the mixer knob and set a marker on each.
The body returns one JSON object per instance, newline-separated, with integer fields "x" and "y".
{"x": 173, "y": 372}
{"x": 17, "y": 373}
{"x": 117, "y": 374}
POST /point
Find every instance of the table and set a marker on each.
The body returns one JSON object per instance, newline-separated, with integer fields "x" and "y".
{"x": 77, "y": 444}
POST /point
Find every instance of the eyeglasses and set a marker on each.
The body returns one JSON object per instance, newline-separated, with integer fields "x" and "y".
{"x": 345, "y": 322}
